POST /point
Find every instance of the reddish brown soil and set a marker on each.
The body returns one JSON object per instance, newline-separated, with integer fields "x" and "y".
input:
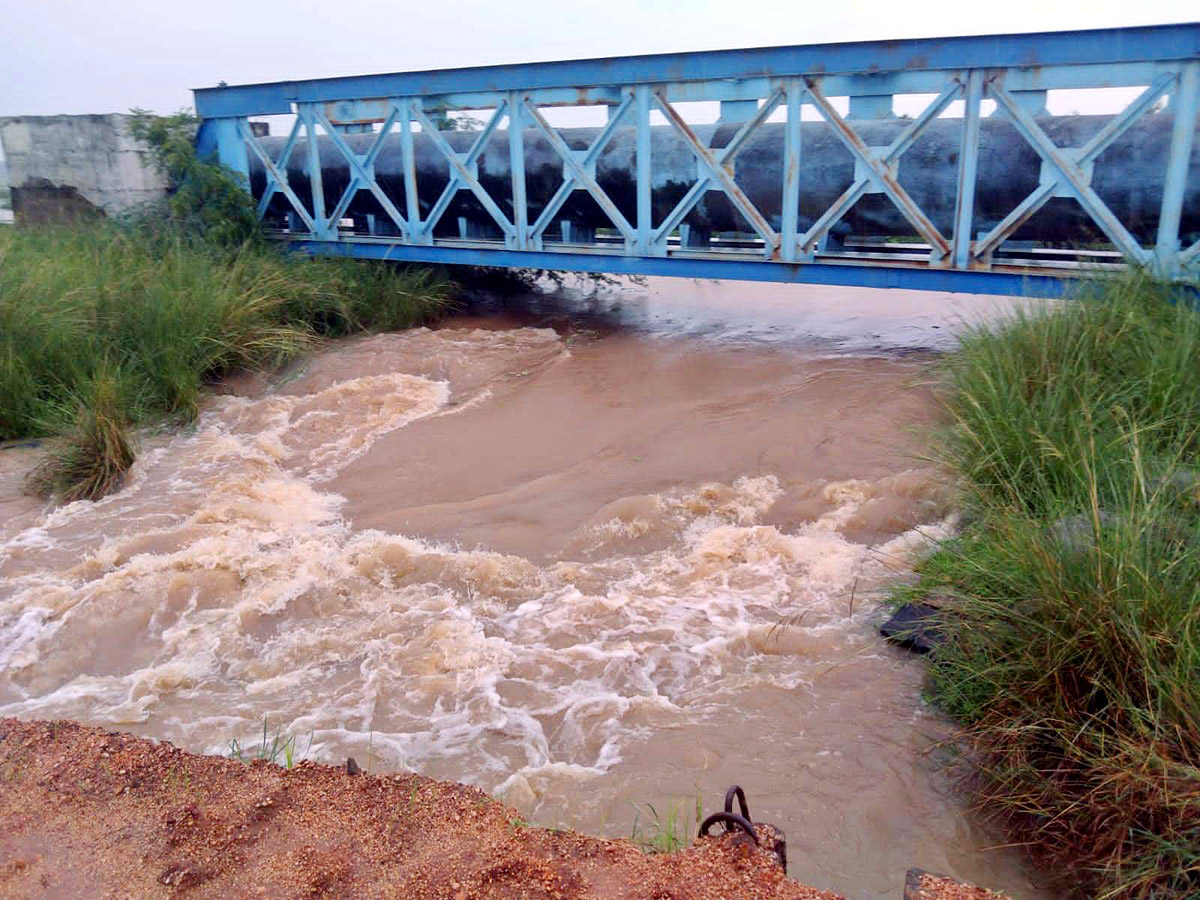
{"x": 88, "y": 813}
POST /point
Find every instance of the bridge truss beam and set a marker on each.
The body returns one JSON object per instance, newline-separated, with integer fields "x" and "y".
{"x": 752, "y": 86}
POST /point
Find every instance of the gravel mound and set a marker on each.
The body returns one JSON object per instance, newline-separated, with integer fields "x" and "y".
{"x": 89, "y": 813}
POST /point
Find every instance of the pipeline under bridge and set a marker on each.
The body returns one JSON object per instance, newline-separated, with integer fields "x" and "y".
{"x": 808, "y": 174}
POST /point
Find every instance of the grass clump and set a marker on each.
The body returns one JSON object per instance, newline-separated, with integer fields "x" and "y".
{"x": 1072, "y": 600}
{"x": 279, "y": 749}
{"x": 94, "y": 449}
{"x": 104, "y": 329}
{"x": 670, "y": 832}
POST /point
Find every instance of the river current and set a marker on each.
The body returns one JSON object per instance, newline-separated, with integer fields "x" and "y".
{"x": 596, "y": 553}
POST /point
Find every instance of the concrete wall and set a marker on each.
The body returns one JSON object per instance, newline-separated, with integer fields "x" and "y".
{"x": 62, "y": 168}
{"x": 6, "y": 215}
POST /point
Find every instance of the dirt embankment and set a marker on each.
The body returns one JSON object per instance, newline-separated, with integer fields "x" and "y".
{"x": 88, "y": 813}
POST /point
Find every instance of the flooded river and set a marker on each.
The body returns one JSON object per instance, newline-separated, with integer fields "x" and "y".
{"x": 591, "y": 553}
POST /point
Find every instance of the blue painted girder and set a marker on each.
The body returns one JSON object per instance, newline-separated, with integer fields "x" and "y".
{"x": 1014, "y": 71}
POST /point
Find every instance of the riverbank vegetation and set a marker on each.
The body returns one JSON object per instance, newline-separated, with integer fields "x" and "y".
{"x": 104, "y": 329}
{"x": 1071, "y": 601}
{"x": 107, "y": 327}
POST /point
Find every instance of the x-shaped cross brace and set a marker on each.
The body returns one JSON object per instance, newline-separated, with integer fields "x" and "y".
{"x": 716, "y": 165}
{"x": 462, "y": 171}
{"x": 277, "y": 172}
{"x": 362, "y": 171}
{"x": 878, "y": 170}
{"x": 578, "y": 172}
{"x": 1069, "y": 171}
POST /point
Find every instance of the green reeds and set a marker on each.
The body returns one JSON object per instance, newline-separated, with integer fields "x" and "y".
{"x": 279, "y": 749}
{"x": 670, "y": 832}
{"x": 105, "y": 328}
{"x": 1072, "y": 600}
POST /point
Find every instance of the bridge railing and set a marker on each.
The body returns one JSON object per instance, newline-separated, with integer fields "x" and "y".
{"x": 377, "y": 166}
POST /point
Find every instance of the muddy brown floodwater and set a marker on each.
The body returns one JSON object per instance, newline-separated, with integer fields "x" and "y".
{"x": 592, "y": 554}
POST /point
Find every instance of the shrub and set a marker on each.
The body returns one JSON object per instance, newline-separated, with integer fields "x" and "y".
{"x": 207, "y": 201}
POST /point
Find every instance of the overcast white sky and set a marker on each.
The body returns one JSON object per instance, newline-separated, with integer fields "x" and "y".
{"x": 92, "y": 56}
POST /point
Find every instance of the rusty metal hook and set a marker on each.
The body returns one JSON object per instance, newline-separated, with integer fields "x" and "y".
{"x": 736, "y": 791}
{"x": 732, "y": 820}
{"x": 729, "y": 819}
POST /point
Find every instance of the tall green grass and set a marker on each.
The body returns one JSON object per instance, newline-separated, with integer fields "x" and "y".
{"x": 671, "y": 832}
{"x": 108, "y": 327}
{"x": 94, "y": 449}
{"x": 1072, "y": 600}
{"x": 278, "y": 749}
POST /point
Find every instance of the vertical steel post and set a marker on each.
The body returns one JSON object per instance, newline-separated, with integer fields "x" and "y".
{"x": 968, "y": 169}
{"x": 516, "y": 159}
{"x": 1184, "y": 102}
{"x": 644, "y": 214}
{"x": 790, "y": 217}
{"x": 325, "y": 230}
{"x": 231, "y": 146}
{"x": 416, "y": 232}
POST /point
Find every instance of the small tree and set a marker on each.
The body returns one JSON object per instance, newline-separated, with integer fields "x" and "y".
{"x": 206, "y": 201}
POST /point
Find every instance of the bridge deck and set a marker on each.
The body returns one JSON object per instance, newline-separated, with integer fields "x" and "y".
{"x": 327, "y": 186}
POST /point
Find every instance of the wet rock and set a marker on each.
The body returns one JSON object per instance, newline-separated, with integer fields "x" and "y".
{"x": 913, "y": 626}
{"x": 1182, "y": 484}
{"x": 1077, "y": 533}
{"x": 183, "y": 875}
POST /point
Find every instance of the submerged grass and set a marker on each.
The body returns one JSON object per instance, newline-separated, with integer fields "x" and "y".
{"x": 105, "y": 328}
{"x": 1072, "y": 600}
{"x": 279, "y": 749}
{"x": 670, "y": 832}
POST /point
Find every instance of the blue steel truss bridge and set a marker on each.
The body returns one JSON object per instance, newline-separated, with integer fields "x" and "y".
{"x": 942, "y": 164}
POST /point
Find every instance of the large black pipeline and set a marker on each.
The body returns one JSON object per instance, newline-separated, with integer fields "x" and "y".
{"x": 1128, "y": 176}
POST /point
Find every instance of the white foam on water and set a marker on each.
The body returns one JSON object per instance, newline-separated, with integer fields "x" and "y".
{"x": 222, "y": 588}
